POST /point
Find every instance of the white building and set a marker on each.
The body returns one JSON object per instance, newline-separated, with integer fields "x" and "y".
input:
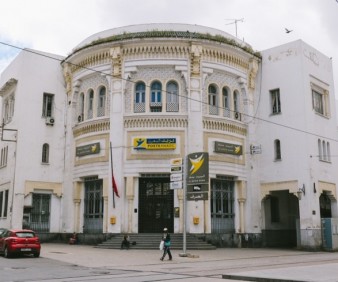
{"x": 146, "y": 96}
{"x": 32, "y": 144}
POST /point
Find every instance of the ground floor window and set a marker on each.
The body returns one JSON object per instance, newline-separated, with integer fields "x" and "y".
{"x": 40, "y": 214}
{"x": 93, "y": 206}
{"x": 222, "y": 206}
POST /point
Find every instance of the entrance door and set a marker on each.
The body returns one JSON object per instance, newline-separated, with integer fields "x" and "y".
{"x": 156, "y": 205}
{"x": 93, "y": 207}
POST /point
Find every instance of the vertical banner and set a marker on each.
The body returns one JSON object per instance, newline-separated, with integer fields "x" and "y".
{"x": 197, "y": 176}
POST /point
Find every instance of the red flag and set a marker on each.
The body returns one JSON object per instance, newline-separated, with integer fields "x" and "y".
{"x": 116, "y": 192}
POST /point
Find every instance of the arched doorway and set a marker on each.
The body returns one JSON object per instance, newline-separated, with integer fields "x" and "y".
{"x": 281, "y": 212}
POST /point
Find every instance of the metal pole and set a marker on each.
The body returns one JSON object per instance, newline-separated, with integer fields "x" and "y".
{"x": 184, "y": 208}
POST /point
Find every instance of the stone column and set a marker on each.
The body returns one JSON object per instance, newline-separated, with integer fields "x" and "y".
{"x": 130, "y": 197}
{"x": 241, "y": 188}
{"x": 77, "y": 203}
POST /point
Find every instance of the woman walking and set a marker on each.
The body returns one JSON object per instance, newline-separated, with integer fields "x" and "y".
{"x": 167, "y": 243}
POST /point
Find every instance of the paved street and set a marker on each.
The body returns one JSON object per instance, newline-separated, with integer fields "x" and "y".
{"x": 85, "y": 263}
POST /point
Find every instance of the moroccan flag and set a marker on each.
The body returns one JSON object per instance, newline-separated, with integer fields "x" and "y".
{"x": 116, "y": 192}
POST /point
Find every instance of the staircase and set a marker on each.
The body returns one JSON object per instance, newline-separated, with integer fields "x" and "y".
{"x": 152, "y": 241}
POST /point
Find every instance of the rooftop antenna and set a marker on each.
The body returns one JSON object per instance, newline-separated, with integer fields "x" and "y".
{"x": 235, "y": 21}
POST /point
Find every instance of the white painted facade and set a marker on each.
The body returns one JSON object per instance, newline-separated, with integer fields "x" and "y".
{"x": 24, "y": 83}
{"x": 97, "y": 106}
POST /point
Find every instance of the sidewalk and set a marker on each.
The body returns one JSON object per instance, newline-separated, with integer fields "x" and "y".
{"x": 255, "y": 264}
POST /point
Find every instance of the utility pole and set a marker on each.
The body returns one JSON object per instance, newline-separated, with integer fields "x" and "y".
{"x": 235, "y": 21}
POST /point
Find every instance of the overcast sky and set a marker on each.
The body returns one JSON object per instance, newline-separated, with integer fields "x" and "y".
{"x": 58, "y": 26}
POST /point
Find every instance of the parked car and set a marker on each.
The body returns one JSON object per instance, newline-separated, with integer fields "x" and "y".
{"x": 23, "y": 241}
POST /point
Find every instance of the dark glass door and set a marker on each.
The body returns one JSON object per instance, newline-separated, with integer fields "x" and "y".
{"x": 156, "y": 205}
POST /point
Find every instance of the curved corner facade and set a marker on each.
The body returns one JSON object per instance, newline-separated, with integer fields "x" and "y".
{"x": 178, "y": 95}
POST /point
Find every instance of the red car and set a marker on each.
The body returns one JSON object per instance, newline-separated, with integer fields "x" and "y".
{"x": 16, "y": 241}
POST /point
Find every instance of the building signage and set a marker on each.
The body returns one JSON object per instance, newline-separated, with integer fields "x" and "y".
{"x": 228, "y": 148}
{"x": 198, "y": 176}
{"x": 89, "y": 149}
{"x": 176, "y": 185}
{"x": 176, "y": 176}
{"x": 198, "y": 168}
{"x": 197, "y": 196}
{"x": 154, "y": 143}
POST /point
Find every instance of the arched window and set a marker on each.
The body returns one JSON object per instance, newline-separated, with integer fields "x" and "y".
{"x": 101, "y": 105}
{"x": 324, "y": 150}
{"x": 140, "y": 96}
{"x": 81, "y": 108}
{"x": 45, "y": 153}
{"x": 328, "y": 151}
{"x": 172, "y": 97}
{"x": 320, "y": 152}
{"x": 212, "y": 99}
{"x": 156, "y": 97}
{"x": 278, "y": 152}
{"x": 237, "y": 114}
{"x": 90, "y": 103}
{"x": 226, "y": 102}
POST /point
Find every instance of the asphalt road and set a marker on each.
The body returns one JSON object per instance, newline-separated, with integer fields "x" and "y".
{"x": 65, "y": 263}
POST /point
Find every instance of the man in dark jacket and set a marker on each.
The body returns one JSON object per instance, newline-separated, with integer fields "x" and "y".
{"x": 167, "y": 243}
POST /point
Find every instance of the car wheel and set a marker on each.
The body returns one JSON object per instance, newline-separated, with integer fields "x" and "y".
{"x": 6, "y": 253}
{"x": 36, "y": 255}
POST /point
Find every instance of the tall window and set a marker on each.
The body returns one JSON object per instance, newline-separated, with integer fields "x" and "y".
{"x": 3, "y": 203}
{"x": 212, "y": 99}
{"x": 156, "y": 97}
{"x": 8, "y": 108}
{"x": 324, "y": 151}
{"x": 81, "y": 107}
{"x": 102, "y": 102}
{"x": 172, "y": 97}
{"x": 226, "y": 102}
{"x": 320, "y": 100}
{"x": 320, "y": 152}
{"x": 140, "y": 97}
{"x": 278, "y": 152}
{"x": 45, "y": 153}
{"x": 47, "y": 107}
{"x": 237, "y": 114}
{"x": 4, "y": 156}
{"x": 90, "y": 103}
{"x": 328, "y": 151}
{"x": 275, "y": 101}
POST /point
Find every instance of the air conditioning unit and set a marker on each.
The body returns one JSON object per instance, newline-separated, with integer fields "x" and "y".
{"x": 50, "y": 120}
{"x": 237, "y": 115}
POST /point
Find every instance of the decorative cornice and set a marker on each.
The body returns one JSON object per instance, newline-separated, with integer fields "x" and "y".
{"x": 225, "y": 126}
{"x": 95, "y": 126}
{"x": 155, "y": 122}
{"x": 166, "y": 34}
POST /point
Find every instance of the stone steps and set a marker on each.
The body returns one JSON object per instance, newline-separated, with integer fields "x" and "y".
{"x": 152, "y": 241}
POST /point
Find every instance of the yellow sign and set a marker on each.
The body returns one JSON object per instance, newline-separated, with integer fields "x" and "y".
{"x": 154, "y": 143}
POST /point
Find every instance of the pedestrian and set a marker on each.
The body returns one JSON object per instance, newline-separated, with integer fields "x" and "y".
{"x": 167, "y": 243}
{"x": 74, "y": 239}
{"x": 125, "y": 242}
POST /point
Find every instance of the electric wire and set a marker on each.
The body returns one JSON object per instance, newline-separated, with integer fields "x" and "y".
{"x": 164, "y": 91}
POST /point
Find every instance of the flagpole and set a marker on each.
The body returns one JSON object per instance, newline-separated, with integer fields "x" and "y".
{"x": 112, "y": 174}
